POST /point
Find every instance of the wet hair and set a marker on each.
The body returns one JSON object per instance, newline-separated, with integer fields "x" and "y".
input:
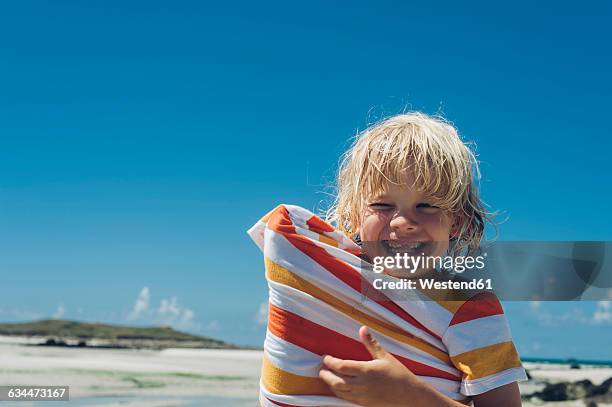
{"x": 442, "y": 165}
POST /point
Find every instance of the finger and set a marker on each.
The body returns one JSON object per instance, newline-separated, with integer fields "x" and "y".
{"x": 344, "y": 367}
{"x": 335, "y": 382}
{"x": 371, "y": 344}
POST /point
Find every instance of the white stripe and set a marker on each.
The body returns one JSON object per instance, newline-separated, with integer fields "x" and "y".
{"x": 447, "y": 387}
{"x": 257, "y": 234}
{"x": 476, "y": 333}
{"x": 291, "y": 358}
{"x": 282, "y": 252}
{"x": 312, "y": 309}
{"x": 484, "y": 384}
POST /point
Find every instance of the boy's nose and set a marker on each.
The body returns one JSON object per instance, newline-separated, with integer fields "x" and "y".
{"x": 404, "y": 223}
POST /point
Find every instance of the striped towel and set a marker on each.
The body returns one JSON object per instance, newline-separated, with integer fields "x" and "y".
{"x": 317, "y": 303}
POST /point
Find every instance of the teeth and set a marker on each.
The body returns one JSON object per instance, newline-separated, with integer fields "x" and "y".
{"x": 404, "y": 246}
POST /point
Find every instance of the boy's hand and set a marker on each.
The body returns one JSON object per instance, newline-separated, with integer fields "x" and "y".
{"x": 383, "y": 381}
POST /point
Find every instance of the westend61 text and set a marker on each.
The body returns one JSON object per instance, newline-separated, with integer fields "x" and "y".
{"x": 431, "y": 284}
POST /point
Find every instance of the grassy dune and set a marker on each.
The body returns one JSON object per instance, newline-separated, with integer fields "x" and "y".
{"x": 61, "y": 331}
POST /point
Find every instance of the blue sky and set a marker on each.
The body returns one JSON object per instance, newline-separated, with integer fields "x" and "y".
{"x": 141, "y": 139}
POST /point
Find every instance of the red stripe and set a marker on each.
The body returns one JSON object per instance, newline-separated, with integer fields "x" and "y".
{"x": 280, "y": 222}
{"x": 318, "y": 339}
{"x": 278, "y": 403}
{"x": 317, "y": 225}
{"x": 479, "y": 306}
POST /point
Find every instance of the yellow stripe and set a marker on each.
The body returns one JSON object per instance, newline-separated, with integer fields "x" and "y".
{"x": 485, "y": 361}
{"x": 328, "y": 240}
{"x": 283, "y": 276}
{"x": 278, "y": 381}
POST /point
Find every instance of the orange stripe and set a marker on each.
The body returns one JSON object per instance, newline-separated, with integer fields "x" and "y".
{"x": 328, "y": 240}
{"x": 265, "y": 218}
{"x": 485, "y": 361}
{"x": 283, "y": 276}
{"x": 278, "y": 381}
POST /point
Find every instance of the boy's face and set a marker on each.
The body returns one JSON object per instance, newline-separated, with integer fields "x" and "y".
{"x": 404, "y": 220}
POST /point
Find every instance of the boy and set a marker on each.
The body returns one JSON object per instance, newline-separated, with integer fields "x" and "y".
{"x": 408, "y": 184}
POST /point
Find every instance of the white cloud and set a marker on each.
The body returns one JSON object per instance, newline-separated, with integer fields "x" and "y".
{"x": 141, "y": 305}
{"x": 262, "y": 314}
{"x": 171, "y": 313}
{"x": 168, "y": 308}
{"x": 59, "y": 312}
{"x": 603, "y": 312}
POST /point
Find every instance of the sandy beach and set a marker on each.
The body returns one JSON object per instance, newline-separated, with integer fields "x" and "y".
{"x": 181, "y": 377}
{"x": 109, "y": 377}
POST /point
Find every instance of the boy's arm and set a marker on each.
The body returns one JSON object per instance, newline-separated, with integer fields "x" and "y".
{"x": 504, "y": 396}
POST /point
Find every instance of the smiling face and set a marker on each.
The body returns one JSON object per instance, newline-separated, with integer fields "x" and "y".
{"x": 402, "y": 219}
{"x": 422, "y": 153}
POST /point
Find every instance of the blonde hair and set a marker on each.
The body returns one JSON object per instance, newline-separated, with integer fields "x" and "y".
{"x": 443, "y": 166}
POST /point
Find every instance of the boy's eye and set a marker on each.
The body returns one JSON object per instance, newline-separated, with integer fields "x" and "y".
{"x": 428, "y": 207}
{"x": 380, "y": 206}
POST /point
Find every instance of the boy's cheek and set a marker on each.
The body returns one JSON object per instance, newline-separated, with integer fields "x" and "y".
{"x": 371, "y": 228}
